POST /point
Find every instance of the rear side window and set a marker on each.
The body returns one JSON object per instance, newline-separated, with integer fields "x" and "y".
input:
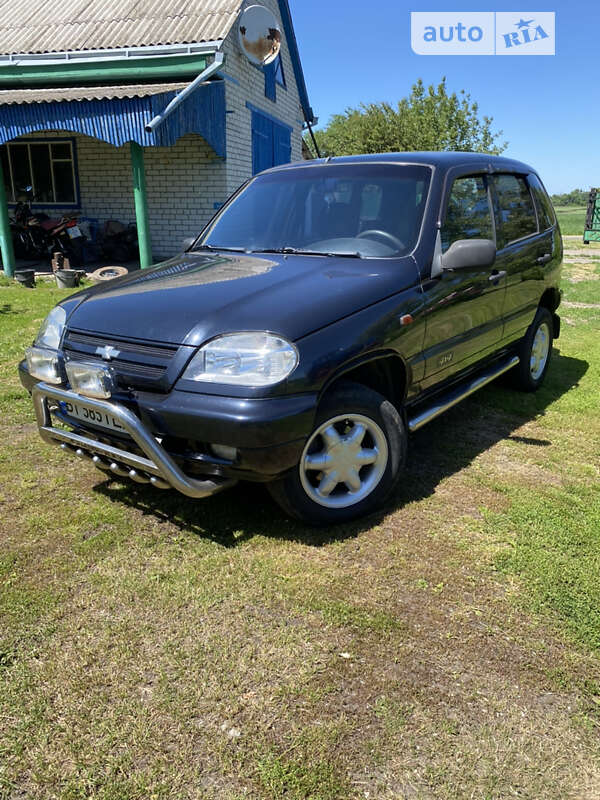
{"x": 469, "y": 215}
{"x": 515, "y": 208}
{"x": 543, "y": 203}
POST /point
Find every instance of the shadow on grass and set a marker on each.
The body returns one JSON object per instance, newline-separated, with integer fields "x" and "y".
{"x": 443, "y": 448}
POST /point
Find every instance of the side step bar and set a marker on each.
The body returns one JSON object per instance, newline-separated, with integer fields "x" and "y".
{"x": 458, "y": 393}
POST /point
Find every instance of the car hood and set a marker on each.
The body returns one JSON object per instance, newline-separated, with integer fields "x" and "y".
{"x": 191, "y": 298}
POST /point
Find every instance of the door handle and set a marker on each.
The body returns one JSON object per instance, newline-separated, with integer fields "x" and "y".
{"x": 496, "y": 276}
{"x": 544, "y": 259}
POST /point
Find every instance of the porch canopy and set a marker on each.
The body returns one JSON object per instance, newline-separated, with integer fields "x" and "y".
{"x": 117, "y": 115}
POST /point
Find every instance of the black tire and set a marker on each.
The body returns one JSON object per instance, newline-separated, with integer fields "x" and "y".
{"x": 349, "y": 399}
{"x": 524, "y": 378}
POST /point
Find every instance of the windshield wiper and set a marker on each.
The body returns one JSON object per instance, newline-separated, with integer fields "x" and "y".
{"x": 213, "y": 249}
{"x": 295, "y": 251}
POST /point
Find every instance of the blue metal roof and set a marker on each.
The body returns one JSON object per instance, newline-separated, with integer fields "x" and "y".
{"x": 122, "y": 119}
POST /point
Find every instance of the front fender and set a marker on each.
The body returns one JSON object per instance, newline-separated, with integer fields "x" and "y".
{"x": 373, "y": 333}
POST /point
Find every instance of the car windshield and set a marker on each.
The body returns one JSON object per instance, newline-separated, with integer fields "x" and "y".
{"x": 360, "y": 210}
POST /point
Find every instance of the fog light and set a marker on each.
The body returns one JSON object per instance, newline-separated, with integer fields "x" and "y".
{"x": 90, "y": 380}
{"x": 224, "y": 452}
{"x": 44, "y": 364}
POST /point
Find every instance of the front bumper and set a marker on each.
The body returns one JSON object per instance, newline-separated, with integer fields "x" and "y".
{"x": 269, "y": 435}
{"x": 155, "y": 466}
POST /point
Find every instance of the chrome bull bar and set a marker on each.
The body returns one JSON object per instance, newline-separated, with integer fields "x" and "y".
{"x": 155, "y": 467}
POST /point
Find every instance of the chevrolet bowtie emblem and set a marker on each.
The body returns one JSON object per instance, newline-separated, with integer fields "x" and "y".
{"x": 107, "y": 352}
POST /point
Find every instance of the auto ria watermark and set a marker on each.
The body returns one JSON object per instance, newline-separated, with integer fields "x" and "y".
{"x": 483, "y": 33}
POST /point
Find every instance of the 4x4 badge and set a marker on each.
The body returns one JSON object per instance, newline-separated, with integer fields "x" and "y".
{"x": 107, "y": 352}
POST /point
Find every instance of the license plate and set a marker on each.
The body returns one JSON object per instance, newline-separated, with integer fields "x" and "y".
{"x": 74, "y": 232}
{"x": 90, "y": 415}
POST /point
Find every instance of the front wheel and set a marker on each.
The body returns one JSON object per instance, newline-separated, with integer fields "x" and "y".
{"x": 534, "y": 352}
{"x": 351, "y": 461}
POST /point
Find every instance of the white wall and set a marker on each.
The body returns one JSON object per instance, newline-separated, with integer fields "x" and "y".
{"x": 183, "y": 182}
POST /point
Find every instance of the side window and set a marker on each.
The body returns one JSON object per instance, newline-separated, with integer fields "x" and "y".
{"x": 516, "y": 209}
{"x": 468, "y": 215}
{"x": 542, "y": 202}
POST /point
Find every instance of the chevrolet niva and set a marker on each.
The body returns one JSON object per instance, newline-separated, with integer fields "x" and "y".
{"x": 329, "y": 309}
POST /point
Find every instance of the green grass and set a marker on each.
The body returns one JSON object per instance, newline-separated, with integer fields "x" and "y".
{"x": 557, "y": 552}
{"x": 571, "y": 219}
{"x": 156, "y": 647}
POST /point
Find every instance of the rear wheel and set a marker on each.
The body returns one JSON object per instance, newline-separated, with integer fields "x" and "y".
{"x": 535, "y": 352}
{"x": 351, "y": 462}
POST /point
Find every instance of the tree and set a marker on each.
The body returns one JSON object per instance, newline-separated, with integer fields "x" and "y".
{"x": 576, "y": 197}
{"x": 428, "y": 119}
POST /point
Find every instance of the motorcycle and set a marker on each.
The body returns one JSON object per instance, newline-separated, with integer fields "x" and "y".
{"x": 39, "y": 236}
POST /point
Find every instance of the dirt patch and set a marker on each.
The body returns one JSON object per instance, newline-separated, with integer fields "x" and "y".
{"x": 526, "y": 473}
{"x": 579, "y": 270}
{"x": 572, "y": 304}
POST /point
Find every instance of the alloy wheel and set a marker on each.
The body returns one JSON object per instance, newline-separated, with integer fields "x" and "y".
{"x": 539, "y": 351}
{"x": 343, "y": 461}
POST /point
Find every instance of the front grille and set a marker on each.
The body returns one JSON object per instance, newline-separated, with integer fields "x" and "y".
{"x": 136, "y": 364}
{"x": 143, "y": 348}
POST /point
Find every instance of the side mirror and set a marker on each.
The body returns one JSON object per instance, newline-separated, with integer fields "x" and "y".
{"x": 188, "y": 242}
{"x": 469, "y": 254}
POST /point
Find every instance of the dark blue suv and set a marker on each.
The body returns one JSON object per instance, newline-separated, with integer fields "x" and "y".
{"x": 329, "y": 309}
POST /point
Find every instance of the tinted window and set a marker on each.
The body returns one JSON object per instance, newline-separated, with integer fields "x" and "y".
{"x": 516, "y": 209}
{"x": 371, "y": 209}
{"x": 468, "y": 215}
{"x": 543, "y": 203}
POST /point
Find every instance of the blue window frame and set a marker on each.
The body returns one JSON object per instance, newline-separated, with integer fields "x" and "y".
{"x": 270, "y": 85}
{"x": 279, "y": 73}
{"x": 274, "y": 75}
{"x": 49, "y": 166}
{"x": 271, "y": 141}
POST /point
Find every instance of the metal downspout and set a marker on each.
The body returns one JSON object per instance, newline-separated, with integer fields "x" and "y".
{"x": 176, "y": 101}
{"x": 6, "y": 245}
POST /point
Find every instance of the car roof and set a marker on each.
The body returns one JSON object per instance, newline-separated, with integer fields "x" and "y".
{"x": 441, "y": 159}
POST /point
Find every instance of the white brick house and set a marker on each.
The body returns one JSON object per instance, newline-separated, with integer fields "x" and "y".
{"x": 72, "y": 117}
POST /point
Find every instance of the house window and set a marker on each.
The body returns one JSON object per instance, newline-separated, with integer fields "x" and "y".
{"x": 49, "y": 167}
{"x": 274, "y": 75}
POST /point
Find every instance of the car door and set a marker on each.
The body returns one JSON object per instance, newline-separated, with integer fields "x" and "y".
{"x": 464, "y": 307}
{"x": 524, "y": 246}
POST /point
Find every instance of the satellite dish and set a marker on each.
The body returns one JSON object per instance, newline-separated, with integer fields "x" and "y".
{"x": 259, "y": 34}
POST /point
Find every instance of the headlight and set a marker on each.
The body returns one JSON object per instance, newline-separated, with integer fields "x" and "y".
{"x": 43, "y": 364}
{"x": 52, "y": 328}
{"x": 90, "y": 379}
{"x": 243, "y": 359}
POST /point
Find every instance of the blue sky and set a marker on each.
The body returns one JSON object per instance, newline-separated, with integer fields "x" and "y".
{"x": 547, "y": 106}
